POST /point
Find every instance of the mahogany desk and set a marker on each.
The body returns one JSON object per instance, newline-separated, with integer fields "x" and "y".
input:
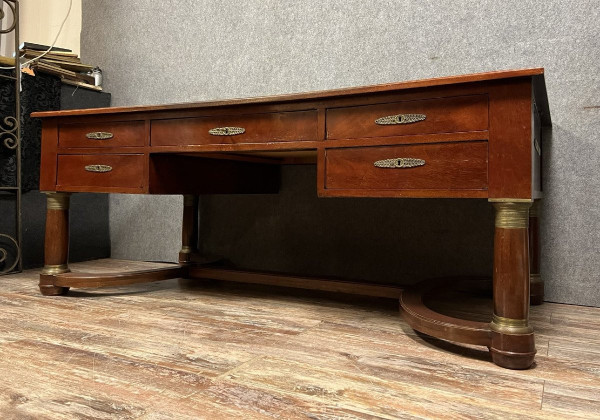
{"x": 472, "y": 136}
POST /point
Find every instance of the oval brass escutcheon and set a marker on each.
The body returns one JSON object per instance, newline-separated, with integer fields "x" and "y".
{"x": 400, "y": 119}
{"x": 226, "y": 131}
{"x": 99, "y": 135}
{"x": 98, "y": 168}
{"x": 399, "y": 163}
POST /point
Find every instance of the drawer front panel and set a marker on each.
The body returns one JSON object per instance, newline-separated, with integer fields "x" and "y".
{"x": 126, "y": 171}
{"x": 441, "y": 115}
{"x": 251, "y": 128}
{"x": 105, "y": 134}
{"x": 444, "y": 166}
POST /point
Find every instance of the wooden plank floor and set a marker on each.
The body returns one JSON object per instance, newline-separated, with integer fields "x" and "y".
{"x": 172, "y": 350}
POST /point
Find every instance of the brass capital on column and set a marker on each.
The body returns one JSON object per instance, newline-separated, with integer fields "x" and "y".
{"x": 186, "y": 249}
{"x": 512, "y": 214}
{"x": 57, "y": 200}
{"x": 534, "y": 211}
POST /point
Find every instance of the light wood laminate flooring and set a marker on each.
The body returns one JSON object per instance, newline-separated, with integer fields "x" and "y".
{"x": 177, "y": 350}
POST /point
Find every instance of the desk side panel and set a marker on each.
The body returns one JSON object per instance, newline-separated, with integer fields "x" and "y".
{"x": 510, "y": 142}
{"x": 48, "y": 162}
{"x": 536, "y": 151}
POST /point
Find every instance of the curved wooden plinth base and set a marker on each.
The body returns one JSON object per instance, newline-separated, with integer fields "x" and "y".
{"x": 432, "y": 323}
{"x": 511, "y": 349}
{"x": 59, "y": 284}
{"x": 48, "y": 288}
{"x": 508, "y": 350}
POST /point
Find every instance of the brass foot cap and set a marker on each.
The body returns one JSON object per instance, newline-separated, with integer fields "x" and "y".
{"x": 51, "y": 270}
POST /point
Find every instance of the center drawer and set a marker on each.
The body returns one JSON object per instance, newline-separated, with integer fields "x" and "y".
{"x": 108, "y": 171}
{"x": 227, "y": 129}
{"x": 426, "y": 116}
{"x": 443, "y": 166}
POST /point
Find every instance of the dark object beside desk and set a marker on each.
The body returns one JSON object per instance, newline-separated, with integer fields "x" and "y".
{"x": 473, "y": 136}
{"x": 42, "y": 92}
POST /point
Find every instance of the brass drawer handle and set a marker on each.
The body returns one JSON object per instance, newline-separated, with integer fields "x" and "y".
{"x": 99, "y": 135}
{"x": 226, "y": 131}
{"x": 400, "y": 119}
{"x": 399, "y": 163}
{"x": 98, "y": 168}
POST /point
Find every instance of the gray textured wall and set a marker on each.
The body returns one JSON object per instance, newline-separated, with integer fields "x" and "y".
{"x": 174, "y": 51}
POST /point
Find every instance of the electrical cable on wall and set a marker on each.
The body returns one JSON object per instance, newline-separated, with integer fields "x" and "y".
{"x": 51, "y": 46}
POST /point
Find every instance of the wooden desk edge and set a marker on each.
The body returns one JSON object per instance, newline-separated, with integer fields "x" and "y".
{"x": 537, "y": 73}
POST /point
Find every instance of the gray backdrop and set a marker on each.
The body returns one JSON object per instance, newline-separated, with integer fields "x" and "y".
{"x": 174, "y": 51}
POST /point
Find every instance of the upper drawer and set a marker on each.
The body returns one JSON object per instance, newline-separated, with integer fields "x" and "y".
{"x": 102, "y": 134}
{"x": 249, "y": 128}
{"x": 428, "y": 116}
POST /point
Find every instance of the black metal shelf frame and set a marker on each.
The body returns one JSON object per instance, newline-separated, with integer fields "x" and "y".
{"x": 10, "y": 138}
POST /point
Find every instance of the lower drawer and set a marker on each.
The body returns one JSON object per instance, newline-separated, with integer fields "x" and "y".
{"x": 442, "y": 166}
{"x": 111, "y": 171}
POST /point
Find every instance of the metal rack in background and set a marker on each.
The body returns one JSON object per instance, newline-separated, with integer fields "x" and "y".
{"x": 10, "y": 138}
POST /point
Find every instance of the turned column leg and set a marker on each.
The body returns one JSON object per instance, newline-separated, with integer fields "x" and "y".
{"x": 189, "y": 232}
{"x": 56, "y": 245}
{"x": 536, "y": 282}
{"x": 512, "y": 345}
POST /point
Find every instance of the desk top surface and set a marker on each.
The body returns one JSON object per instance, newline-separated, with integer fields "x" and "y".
{"x": 536, "y": 73}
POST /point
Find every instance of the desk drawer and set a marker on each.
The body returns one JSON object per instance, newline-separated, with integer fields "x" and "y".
{"x": 443, "y": 166}
{"x": 428, "y": 116}
{"x": 113, "y": 171}
{"x": 250, "y": 128}
{"x": 104, "y": 134}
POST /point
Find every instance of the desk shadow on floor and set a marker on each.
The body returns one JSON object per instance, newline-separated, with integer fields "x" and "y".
{"x": 97, "y": 293}
{"x": 259, "y": 291}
